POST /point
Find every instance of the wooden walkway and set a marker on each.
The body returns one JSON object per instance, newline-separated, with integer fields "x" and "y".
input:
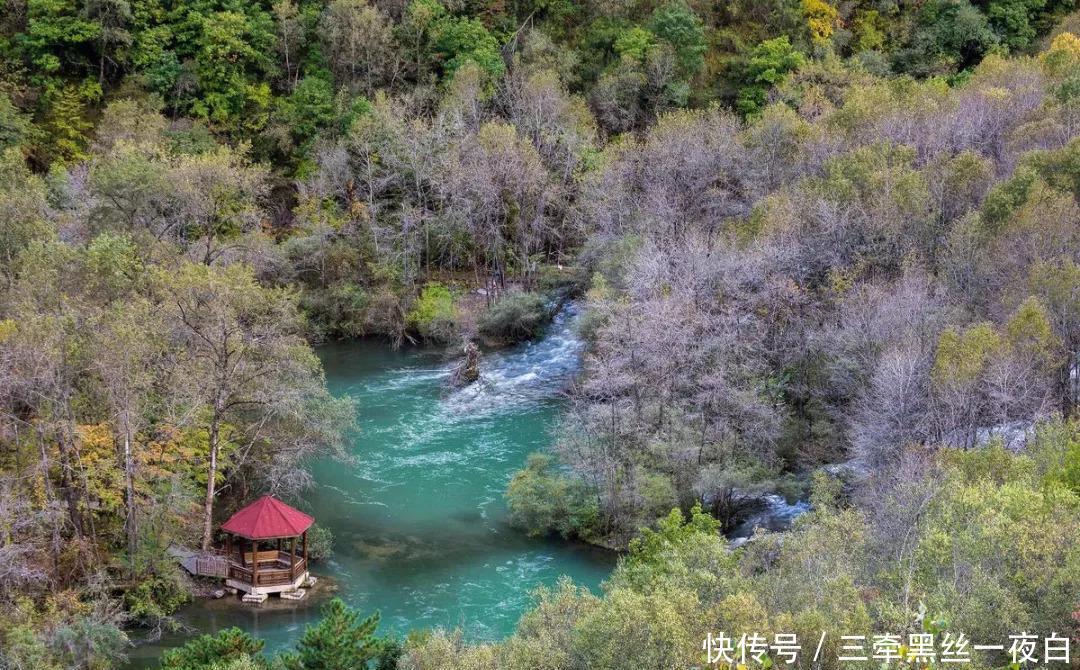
{"x": 200, "y": 563}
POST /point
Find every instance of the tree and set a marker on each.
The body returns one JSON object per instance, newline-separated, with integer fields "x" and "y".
{"x": 501, "y": 190}
{"x": 821, "y": 18}
{"x": 128, "y": 351}
{"x": 1014, "y": 20}
{"x": 359, "y": 45}
{"x": 15, "y": 127}
{"x": 434, "y": 314}
{"x": 247, "y": 376}
{"x": 233, "y": 59}
{"x": 22, "y": 210}
{"x": 112, "y": 17}
{"x": 461, "y": 40}
{"x": 341, "y": 639}
{"x": 422, "y": 18}
{"x": 769, "y": 63}
{"x": 306, "y": 111}
{"x": 207, "y": 651}
{"x": 676, "y": 23}
{"x": 58, "y": 37}
{"x": 290, "y": 39}
{"x": 1058, "y": 287}
{"x": 950, "y": 35}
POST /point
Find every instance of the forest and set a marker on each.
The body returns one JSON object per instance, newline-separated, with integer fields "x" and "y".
{"x": 823, "y": 249}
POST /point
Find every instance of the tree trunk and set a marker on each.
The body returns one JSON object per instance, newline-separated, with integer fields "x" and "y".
{"x": 131, "y": 523}
{"x": 211, "y": 480}
{"x": 68, "y": 487}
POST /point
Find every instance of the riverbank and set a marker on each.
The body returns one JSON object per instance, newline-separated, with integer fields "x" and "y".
{"x": 419, "y": 522}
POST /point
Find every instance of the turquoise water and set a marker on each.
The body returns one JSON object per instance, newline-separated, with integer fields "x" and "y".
{"x": 419, "y": 519}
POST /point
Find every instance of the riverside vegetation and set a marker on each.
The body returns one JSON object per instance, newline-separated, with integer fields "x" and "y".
{"x": 803, "y": 234}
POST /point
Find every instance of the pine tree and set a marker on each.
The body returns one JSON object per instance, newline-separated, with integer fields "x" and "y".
{"x": 207, "y": 650}
{"x": 340, "y": 641}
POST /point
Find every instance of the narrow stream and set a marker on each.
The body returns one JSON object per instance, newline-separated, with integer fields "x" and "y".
{"x": 419, "y": 519}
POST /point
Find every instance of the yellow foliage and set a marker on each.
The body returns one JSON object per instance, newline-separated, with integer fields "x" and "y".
{"x": 1063, "y": 56}
{"x": 963, "y": 355}
{"x": 7, "y": 329}
{"x": 821, "y": 18}
{"x": 97, "y": 455}
{"x": 1029, "y": 332}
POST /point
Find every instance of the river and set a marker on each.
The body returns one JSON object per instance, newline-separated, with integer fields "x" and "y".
{"x": 419, "y": 520}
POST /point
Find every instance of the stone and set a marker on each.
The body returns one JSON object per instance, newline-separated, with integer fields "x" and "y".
{"x": 255, "y": 598}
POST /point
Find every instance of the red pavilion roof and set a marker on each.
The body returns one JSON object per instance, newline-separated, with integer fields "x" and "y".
{"x": 268, "y": 518}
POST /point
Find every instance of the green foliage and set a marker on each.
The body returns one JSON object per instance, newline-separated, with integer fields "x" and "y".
{"x": 676, "y": 23}
{"x": 207, "y": 651}
{"x": 88, "y": 643}
{"x": 232, "y": 56}
{"x": 634, "y": 43}
{"x": 22, "y": 205}
{"x": 58, "y": 34}
{"x": 1030, "y": 333}
{"x": 515, "y": 317}
{"x": 15, "y": 127}
{"x": 320, "y": 543}
{"x": 65, "y": 129}
{"x": 155, "y": 597}
{"x": 1005, "y": 198}
{"x": 434, "y": 314}
{"x": 543, "y": 500}
{"x": 23, "y": 648}
{"x": 672, "y": 533}
{"x": 307, "y": 110}
{"x": 962, "y": 355}
{"x": 461, "y": 40}
{"x": 114, "y": 263}
{"x": 1013, "y": 20}
{"x": 1056, "y": 452}
{"x": 769, "y": 63}
{"x": 1060, "y": 168}
{"x": 950, "y": 35}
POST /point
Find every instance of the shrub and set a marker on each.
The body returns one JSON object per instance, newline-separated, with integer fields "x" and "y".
{"x": 543, "y": 500}
{"x": 433, "y": 315}
{"x": 156, "y": 596}
{"x": 320, "y": 543}
{"x": 515, "y": 317}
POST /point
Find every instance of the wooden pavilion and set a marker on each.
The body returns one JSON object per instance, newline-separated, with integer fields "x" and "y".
{"x": 261, "y": 547}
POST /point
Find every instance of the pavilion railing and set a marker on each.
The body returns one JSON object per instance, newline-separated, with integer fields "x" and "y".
{"x": 268, "y": 575}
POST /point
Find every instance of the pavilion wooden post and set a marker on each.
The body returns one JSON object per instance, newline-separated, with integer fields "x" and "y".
{"x": 292, "y": 559}
{"x": 305, "y": 546}
{"x": 254, "y": 563}
{"x": 228, "y": 546}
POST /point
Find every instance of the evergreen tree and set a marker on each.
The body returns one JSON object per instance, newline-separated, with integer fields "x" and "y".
{"x": 340, "y": 641}
{"x": 206, "y": 651}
